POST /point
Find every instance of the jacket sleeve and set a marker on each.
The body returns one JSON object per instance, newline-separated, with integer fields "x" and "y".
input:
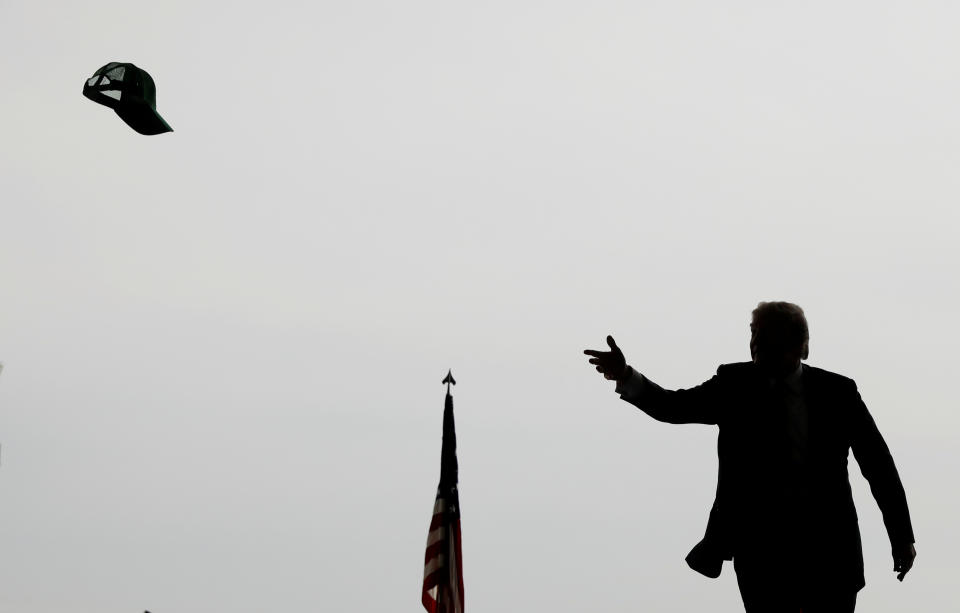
{"x": 878, "y": 468}
{"x": 697, "y": 405}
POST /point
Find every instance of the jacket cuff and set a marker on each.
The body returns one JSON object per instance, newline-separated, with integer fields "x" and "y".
{"x": 632, "y": 384}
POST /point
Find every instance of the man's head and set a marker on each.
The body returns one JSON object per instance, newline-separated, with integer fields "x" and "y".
{"x": 779, "y": 337}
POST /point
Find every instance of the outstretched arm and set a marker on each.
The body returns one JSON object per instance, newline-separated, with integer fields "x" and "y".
{"x": 695, "y": 405}
{"x": 878, "y": 468}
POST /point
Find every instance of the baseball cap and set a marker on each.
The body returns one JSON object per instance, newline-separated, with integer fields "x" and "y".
{"x": 131, "y": 93}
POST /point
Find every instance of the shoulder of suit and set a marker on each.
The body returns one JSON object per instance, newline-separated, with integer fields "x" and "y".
{"x": 821, "y": 376}
{"x": 735, "y": 369}
{"x": 826, "y": 377}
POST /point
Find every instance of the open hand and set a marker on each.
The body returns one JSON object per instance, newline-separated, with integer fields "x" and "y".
{"x": 903, "y": 560}
{"x": 611, "y": 364}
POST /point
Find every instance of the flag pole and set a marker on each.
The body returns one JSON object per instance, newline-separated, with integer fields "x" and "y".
{"x": 443, "y": 575}
{"x": 448, "y": 380}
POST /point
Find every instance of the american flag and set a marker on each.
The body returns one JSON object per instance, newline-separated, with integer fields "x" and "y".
{"x": 443, "y": 568}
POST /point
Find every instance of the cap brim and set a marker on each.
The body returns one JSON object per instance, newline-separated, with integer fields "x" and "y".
{"x": 143, "y": 118}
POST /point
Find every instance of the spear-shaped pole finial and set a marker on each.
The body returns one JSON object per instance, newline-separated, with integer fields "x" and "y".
{"x": 449, "y": 380}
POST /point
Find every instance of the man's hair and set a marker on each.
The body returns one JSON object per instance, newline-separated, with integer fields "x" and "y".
{"x": 786, "y": 317}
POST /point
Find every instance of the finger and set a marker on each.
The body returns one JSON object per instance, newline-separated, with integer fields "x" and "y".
{"x": 600, "y": 369}
{"x": 612, "y": 343}
{"x": 608, "y": 376}
{"x": 594, "y": 353}
{"x": 594, "y": 360}
{"x": 902, "y": 567}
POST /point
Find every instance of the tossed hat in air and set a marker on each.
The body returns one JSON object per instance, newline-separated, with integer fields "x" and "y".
{"x": 130, "y": 92}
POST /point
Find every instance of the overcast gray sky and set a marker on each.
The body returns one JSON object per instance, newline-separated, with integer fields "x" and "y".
{"x": 224, "y": 345}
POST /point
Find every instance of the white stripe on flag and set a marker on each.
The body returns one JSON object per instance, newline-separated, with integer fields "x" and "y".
{"x": 436, "y": 535}
{"x": 433, "y": 565}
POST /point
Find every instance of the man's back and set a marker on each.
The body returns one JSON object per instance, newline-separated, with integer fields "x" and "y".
{"x": 771, "y": 495}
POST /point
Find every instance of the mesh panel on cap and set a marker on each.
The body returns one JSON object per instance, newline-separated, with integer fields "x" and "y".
{"x": 117, "y": 73}
{"x": 113, "y": 93}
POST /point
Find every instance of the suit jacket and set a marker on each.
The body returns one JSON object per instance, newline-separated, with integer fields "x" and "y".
{"x": 765, "y": 504}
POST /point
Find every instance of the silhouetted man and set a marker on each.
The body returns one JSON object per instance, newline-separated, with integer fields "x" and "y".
{"x": 783, "y": 511}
